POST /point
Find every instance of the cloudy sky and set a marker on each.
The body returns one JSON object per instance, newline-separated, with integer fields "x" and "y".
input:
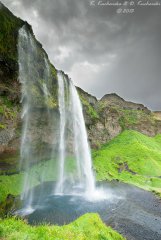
{"x": 101, "y": 50}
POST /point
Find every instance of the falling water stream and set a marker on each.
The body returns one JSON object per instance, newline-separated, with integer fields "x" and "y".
{"x": 62, "y": 110}
{"x": 73, "y": 148}
{"x": 71, "y": 116}
{"x": 32, "y": 79}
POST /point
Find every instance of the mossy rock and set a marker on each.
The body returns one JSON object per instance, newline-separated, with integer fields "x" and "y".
{"x": 8, "y": 33}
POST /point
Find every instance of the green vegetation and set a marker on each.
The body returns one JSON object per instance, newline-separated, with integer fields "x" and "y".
{"x": 8, "y": 37}
{"x": 36, "y": 86}
{"x": 131, "y": 117}
{"x": 10, "y": 160}
{"x": 133, "y": 158}
{"x": 2, "y": 126}
{"x": 87, "y": 227}
{"x": 8, "y": 110}
{"x": 89, "y": 108}
{"x": 9, "y": 28}
{"x": 8, "y": 103}
{"x": 53, "y": 71}
{"x": 12, "y": 184}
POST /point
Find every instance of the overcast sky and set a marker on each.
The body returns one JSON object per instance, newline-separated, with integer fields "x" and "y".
{"x": 101, "y": 50}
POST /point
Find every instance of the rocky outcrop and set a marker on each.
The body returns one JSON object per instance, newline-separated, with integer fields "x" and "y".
{"x": 114, "y": 115}
{"x": 10, "y": 87}
{"x": 114, "y": 100}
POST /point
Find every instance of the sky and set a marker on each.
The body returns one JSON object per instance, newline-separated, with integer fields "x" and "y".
{"x": 103, "y": 51}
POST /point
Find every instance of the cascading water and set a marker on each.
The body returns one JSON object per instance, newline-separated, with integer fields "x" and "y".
{"x": 30, "y": 78}
{"x": 81, "y": 146}
{"x": 71, "y": 117}
{"x": 62, "y": 110}
{"x": 73, "y": 171}
{"x": 24, "y": 73}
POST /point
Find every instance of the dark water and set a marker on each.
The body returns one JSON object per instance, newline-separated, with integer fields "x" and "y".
{"x": 133, "y": 212}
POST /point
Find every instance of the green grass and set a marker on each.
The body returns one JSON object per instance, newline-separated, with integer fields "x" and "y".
{"x": 131, "y": 157}
{"x": 13, "y": 184}
{"x": 129, "y": 117}
{"x": 88, "y": 226}
{"x": 10, "y": 185}
{"x": 8, "y": 111}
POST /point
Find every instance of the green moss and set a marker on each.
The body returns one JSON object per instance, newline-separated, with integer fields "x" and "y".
{"x": 8, "y": 33}
{"x": 51, "y": 103}
{"x": 131, "y": 157}
{"x": 8, "y": 103}
{"x": 129, "y": 118}
{"x": 89, "y": 108}
{"x": 36, "y": 95}
{"x": 86, "y": 227}
{"x": 2, "y": 126}
{"x": 36, "y": 86}
{"x": 1, "y": 110}
{"x": 92, "y": 112}
{"x": 7, "y": 109}
{"x": 53, "y": 71}
{"x": 132, "y": 117}
{"x": 10, "y": 161}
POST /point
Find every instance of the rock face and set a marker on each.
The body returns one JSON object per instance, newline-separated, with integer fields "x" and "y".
{"x": 104, "y": 118}
{"x": 10, "y": 87}
{"x": 115, "y": 115}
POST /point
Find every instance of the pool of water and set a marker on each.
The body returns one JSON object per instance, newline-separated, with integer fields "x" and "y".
{"x": 133, "y": 212}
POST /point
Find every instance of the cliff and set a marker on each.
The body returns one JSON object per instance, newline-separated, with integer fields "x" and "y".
{"x": 115, "y": 115}
{"x": 10, "y": 88}
{"x": 104, "y": 118}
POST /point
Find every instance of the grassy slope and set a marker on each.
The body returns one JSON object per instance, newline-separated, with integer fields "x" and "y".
{"x": 12, "y": 184}
{"x": 88, "y": 226}
{"x": 130, "y": 157}
{"x": 133, "y": 158}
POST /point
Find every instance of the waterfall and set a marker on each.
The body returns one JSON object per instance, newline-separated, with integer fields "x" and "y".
{"x": 68, "y": 164}
{"x": 71, "y": 116}
{"x": 31, "y": 81}
{"x": 62, "y": 110}
{"x": 81, "y": 146}
{"x": 25, "y": 41}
